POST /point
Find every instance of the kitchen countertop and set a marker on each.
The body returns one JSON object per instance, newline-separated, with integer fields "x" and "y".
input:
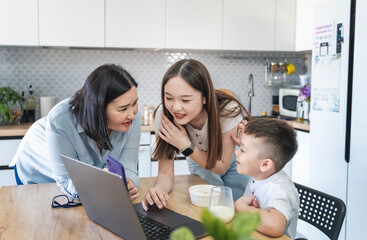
{"x": 14, "y": 130}
{"x": 17, "y": 130}
{"x": 305, "y": 126}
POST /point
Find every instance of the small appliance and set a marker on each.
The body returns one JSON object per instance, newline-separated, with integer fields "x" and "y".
{"x": 288, "y": 101}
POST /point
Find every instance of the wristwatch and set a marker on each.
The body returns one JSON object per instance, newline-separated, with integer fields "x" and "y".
{"x": 189, "y": 150}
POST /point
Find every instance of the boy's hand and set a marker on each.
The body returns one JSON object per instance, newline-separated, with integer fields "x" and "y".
{"x": 240, "y": 128}
{"x": 254, "y": 203}
{"x": 244, "y": 202}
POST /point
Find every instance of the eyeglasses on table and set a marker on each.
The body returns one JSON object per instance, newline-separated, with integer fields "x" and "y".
{"x": 63, "y": 201}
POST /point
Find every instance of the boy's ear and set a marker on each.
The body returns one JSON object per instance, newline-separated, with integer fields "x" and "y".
{"x": 266, "y": 165}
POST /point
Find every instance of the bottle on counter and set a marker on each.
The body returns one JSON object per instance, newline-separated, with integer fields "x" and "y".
{"x": 31, "y": 106}
{"x": 24, "y": 117}
{"x": 275, "y": 110}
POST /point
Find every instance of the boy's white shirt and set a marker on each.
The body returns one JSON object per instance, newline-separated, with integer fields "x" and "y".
{"x": 277, "y": 191}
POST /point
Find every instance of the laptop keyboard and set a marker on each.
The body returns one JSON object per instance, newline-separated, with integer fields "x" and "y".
{"x": 154, "y": 230}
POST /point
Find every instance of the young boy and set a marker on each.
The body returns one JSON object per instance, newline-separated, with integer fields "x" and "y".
{"x": 266, "y": 145}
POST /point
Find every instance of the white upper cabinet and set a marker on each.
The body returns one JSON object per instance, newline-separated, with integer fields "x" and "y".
{"x": 71, "y": 23}
{"x": 249, "y": 25}
{"x": 285, "y": 25}
{"x": 304, "y": 24}
{"x": 261, "y": 25}
{"x": 19, "y": 22}
{"x": 135, "y": 24}
{"x": 194, "y": 24}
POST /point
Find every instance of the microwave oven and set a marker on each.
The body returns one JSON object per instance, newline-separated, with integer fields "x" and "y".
{"x": 288, "y": 101}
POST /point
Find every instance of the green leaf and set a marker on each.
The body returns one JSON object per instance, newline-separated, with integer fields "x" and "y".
{"x": 244, "y": 223}
{"x": 215, "y": 227}
{"x": 182, "y": 233}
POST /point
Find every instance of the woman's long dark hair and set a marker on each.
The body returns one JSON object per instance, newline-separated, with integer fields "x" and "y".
{"x": 196, "y": 74}
{"x": 89, "y": 104}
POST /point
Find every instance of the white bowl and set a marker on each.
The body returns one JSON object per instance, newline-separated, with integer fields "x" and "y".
{"x": 200, "y": 194}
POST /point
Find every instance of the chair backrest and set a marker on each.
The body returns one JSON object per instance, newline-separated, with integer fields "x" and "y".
{"x": 322, "y": 210}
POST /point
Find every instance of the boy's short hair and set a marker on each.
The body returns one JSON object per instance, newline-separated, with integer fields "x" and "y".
{"x": 279, "y": 138}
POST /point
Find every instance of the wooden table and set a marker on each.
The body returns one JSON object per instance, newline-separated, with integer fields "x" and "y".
{"x": 26, "y": 213}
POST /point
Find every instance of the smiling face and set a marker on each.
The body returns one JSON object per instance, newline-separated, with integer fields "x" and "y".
{"x": 184, "y": 102}
{"x": 248, "y": 161}
{"x": 121, "y": 111}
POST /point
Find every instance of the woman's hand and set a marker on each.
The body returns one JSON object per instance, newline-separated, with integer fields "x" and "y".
{"x": 236, "y": 138}
{"x": 155, "y": 196}
{"x": 133, "y": 191}
{"x": 172, "y": 134}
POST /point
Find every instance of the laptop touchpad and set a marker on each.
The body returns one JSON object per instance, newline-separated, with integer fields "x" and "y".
{"x": 164, "y": 216}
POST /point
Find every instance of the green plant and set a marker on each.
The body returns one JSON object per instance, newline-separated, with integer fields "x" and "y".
{"x": 243, "y": 224}
{"x": 9, "y": 98}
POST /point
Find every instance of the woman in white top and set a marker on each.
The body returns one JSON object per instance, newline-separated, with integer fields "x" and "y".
{"x": 197, "y": 120}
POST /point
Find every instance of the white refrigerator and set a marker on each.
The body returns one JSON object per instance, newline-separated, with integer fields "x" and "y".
{"x": 338, "y": 119}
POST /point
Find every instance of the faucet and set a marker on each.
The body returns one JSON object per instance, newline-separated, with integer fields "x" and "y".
{"x": 251, "y": 92}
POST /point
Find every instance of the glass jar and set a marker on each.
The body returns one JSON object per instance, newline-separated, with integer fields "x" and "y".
{"x": 273, "y": 67}
{"x": 281, "y": 67}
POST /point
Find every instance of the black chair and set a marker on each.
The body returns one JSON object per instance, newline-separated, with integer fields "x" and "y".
{"x": 321, "y": 210}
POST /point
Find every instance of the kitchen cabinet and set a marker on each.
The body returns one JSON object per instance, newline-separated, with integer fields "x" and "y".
{"x": 249, "y": 25}
{"x": 71, "y": 23}
{"x": 144, "y": 155}
{"x": 194, "y": 24}
{"x": 180, "y": 165}
{"x": 300, "y": 164}
{"x": 263, "y": 25}
{"x": 285, "y": 25}
{"x": 181, "y": 168}
{"x": 8, "y": 148}
{"x": 135, "y": 24}
{"x": 19, "y": 22}
{"x": 304, "y": 25}
{"x": 7, "y": 177}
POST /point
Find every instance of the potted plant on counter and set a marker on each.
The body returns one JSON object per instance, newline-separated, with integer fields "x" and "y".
{"x": 11, "y": 105}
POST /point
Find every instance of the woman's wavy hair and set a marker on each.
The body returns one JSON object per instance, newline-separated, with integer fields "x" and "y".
{"x": 196, "y": 74}
{"x": 89, "y": 103}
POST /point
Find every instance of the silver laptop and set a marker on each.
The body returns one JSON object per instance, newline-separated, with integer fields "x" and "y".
{"x": 106, "y": 201}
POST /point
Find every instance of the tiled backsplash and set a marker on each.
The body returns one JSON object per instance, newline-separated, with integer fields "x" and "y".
{"x": 61, "y": 72}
